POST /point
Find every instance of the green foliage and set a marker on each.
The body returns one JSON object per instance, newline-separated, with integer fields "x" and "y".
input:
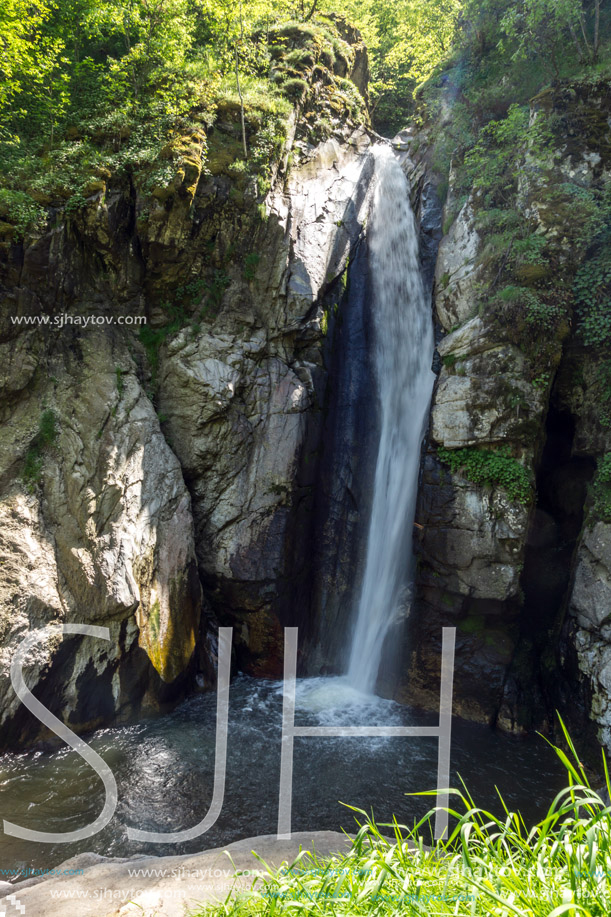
{"x": 24, "y": 213}
{"x": 604, "y": 378}
{"x": 490, "y": 469}
{"x": 93, "y": 90}
{"x": 46, "y": 436}
{"x": 406, "y": 39}
{"x": 537, "y": 313}
{"x": 592, "y": 290}
{"x": 192, "y": 302}
{"x": 493, "y": 165}
{"x": 542, "y": 380}
{"x": 491, "y": 865}
{"x": 601, "y": 490}
{"x": 548, "y": 27}
{"x": 152, "y": 339}
{"x": 250, "y": 265}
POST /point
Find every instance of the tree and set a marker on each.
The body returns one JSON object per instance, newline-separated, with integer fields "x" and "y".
{"x": 544, "y": 28}
{"x": 20, "y": 54}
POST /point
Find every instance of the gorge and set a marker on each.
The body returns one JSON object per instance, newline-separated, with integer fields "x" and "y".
{"x": 305, "y": 357}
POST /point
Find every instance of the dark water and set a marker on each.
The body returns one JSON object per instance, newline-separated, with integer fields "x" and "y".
{"x": 164, "y": 770}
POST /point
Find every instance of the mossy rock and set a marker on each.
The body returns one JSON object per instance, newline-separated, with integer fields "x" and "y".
{"x": 6, "y": 230}
{"x": 191, "y": 168}
{"x": 474, "y": 624}
{"x": 228, "y": 108}
{"x": 322, "y": 75}
{"x": 42, "y": 197}
{"x": 222, "y": 152}
{"x": 163, "y": 192}
{"x": 95, "y": 186}
{"x": 300, "y": 33}
{"x": 530, "y": 274}
{"x": 295, "y": 89}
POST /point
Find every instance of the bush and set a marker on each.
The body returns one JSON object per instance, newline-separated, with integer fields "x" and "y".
{"x": 295, "y": 89}
{"x": 592, "y": 290}
{"x": 488, "y": 468}
{"x": 536, "y": 312}
{"x": 22, "y": 211}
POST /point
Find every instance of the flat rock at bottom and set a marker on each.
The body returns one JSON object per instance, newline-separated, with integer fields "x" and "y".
{"x": 160, "y": 886}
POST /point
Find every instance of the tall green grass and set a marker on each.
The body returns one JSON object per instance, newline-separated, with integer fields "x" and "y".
{"x": 489, "y": 865}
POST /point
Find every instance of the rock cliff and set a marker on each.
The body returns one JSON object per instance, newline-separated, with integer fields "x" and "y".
{"x": 509, "y": 547}
{"x": 162, "y": 384}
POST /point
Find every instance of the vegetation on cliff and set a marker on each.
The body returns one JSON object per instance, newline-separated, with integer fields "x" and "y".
{"x": 92, "y": 87}
{"x": 489, "y": 469}
{"x": 94, "y": 91}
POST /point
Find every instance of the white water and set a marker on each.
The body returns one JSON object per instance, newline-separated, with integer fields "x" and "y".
{"x": 403, "y": 352}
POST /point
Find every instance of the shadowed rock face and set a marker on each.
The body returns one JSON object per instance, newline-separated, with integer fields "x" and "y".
{"x": 342, "y": 498}
{"x": 243, "y": 412}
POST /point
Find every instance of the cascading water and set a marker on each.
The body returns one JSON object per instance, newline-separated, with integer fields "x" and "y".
{"x": 403, "y": 352}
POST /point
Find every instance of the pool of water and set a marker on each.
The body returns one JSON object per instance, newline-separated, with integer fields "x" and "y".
{"x": 164, "y": 771}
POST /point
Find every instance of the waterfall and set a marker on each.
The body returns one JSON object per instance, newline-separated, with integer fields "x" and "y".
{"x": 402, "y": 356}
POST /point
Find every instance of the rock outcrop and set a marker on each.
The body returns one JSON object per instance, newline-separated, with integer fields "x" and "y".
{"x": 100, "y": 533}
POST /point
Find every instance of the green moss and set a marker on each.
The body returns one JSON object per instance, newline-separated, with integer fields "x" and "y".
{"x": 154, "y": 620}
{"x": 447, "y": 222}
{"x": 182, "y": 311}
{"x": 295, "y": 89}
{"x": 223, "y": 153}
{"x": 250, "y": 265}
{"x": 474, "y": 624}
{"x": 601, "y": 491}
{"x": 46, "y": 436}
{"x": 489, "y": 468}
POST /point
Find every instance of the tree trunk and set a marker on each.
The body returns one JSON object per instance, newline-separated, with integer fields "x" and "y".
{"x": 312, "y": 10}
{"x": 237, "y": 80}
{"x": 583, "y": 32}
{"x": 576, "y": 41}
{"x": 596, "y": 27}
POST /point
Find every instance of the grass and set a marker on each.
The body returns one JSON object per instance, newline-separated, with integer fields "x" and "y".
{"x": 489, "y": 865}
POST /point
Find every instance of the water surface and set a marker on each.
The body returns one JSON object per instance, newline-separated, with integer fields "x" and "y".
{"x": 164, "y": 771}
